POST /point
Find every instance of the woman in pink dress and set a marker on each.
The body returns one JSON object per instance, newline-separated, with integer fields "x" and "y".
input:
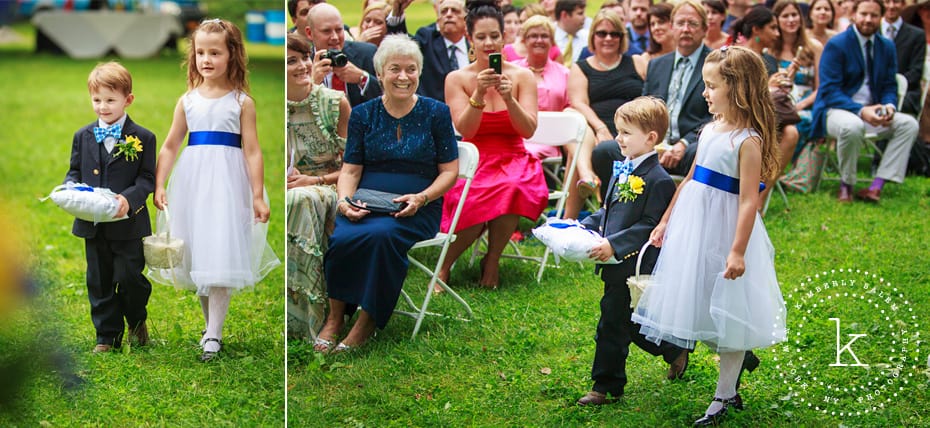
{"x": 495, "y": 112}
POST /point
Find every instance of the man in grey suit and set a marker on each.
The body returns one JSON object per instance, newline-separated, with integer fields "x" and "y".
{"x": 676, "y": 79}
{"x": 911, "y": 46}
{"x": 357, "y": 78}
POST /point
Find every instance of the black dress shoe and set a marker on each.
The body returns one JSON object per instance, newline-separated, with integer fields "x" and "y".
{"x": 714, "y": 419}
{"x": 210, "y": 355}
{"x": 750, "y": 363}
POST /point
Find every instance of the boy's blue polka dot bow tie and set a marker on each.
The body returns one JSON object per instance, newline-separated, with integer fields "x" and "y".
{"x": 115, "y": 131}
{"x": 622, "y": 167}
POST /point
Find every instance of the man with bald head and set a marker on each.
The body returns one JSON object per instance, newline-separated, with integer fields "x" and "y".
{"x": 443, "y": 43}
{"x": 357, "y": 78}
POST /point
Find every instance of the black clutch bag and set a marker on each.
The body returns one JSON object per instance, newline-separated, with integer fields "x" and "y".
{"x": 376, "y": 201}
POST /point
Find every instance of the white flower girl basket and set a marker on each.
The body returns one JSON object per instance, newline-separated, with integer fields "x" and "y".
{"x": 161, "y": 250}
{"x": 638, "y": 283}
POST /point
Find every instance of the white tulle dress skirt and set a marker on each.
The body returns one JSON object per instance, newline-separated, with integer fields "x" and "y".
{"x": 210, "y": 206}
{"x": 690, "y": 300}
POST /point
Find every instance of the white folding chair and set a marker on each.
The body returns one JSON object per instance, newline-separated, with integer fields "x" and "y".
{"x": 871, "y": 138}
{"x": 553, "y": 128}
{"x": 468, "y": 164}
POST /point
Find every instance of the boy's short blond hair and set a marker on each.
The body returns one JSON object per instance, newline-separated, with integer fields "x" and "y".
{"x": 646, "y": 113}
{"x": 110, "y": 75}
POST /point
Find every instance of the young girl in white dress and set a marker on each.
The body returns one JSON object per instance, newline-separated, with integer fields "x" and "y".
{"x": 216, "y": 196}
{"x": 715, "y": 277}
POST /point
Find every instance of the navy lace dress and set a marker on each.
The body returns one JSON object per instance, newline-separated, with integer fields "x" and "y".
{"x": 366, "y": 262}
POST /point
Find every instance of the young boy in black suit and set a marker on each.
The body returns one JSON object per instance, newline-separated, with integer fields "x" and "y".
{"x": 638, "y": 193}
{"x": 114, "y": 152}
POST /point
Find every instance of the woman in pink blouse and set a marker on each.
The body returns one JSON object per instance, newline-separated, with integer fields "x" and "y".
{"x": 538, "y": 35}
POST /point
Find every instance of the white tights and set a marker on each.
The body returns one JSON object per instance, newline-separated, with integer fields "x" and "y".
{"x": 730, "y": 365}
{"x": 214, "y": 307}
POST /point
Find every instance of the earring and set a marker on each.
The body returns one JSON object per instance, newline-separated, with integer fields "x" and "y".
{"x": 471, "y": 54}
{"x": 758, "y": 40}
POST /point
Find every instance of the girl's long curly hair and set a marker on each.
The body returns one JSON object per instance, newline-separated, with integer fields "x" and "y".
{"x": 750, "y": 101}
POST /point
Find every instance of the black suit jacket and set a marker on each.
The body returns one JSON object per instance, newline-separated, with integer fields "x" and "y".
{"x": 362, "y": 56}
{"x": 134, "y": 180}
{"x": 693, "y": 114}
{"x": 911, "y": 46}
{"x": 435, "y": 59}
{"x": 627, "y": 225}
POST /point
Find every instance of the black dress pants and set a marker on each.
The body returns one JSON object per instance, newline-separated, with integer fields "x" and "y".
{"x": 615, "y": 331}
{"x": 116, "y": 287}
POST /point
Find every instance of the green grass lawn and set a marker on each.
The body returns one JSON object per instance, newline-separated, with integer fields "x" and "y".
{"x": 526, "y": 357}
{"x": 44, "y": 101}
{"x": 522, "y": 361}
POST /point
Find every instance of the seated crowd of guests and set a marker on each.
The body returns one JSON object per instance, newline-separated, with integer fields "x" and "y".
{"x": 413, "y": 94}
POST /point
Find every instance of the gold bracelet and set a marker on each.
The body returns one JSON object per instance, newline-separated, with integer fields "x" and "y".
{"x": 476, "y": 104}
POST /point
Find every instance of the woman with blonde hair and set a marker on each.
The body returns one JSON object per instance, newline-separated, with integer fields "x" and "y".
{"x": 552, "y": 94}
{"x": 597, "y": 85}
{"x": 517, "y": 50}
{"x": 373, "y": 27}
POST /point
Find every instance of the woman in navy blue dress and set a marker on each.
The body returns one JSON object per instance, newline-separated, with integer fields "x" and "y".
{"x": 399, "y": 143}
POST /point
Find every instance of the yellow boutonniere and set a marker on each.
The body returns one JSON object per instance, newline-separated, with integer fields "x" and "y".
{"x": 628, "y": 190}
{"x": 130, "y": 148}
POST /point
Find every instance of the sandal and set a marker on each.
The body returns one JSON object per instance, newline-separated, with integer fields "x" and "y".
{"x": 322, "y": 345}
{"x": 211, "y": 355}
{"x": 342, "y": 347}
{"x": 586, "y": 188}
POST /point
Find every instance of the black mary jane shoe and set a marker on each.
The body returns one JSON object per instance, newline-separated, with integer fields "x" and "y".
{"x": 211, "y": 355}
{"x": 714, "y": 419}
{"x": 750, "y": 364}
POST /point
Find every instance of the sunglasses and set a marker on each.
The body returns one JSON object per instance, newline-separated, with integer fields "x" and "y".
{"x": 603, "y": 34}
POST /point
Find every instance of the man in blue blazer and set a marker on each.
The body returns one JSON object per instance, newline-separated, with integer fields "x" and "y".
{"x": 858, "y": 94}
{"x": 436, "y": 41}
{"x": 358, "y": 78}
{"x": 691, "y": 112}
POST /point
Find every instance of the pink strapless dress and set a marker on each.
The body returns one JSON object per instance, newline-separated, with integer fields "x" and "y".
{"x": 508, "y": 180}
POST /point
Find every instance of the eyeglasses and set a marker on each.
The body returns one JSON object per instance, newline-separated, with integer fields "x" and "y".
{"x": 603, "y": 34}
{"x": 536, "y": 36}
{"x": 690, "y": 24}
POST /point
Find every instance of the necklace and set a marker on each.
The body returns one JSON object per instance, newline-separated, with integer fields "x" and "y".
{"x": 536, "y": 69}
{"x": 608, "y": 67}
